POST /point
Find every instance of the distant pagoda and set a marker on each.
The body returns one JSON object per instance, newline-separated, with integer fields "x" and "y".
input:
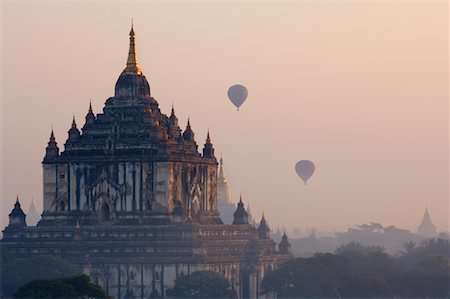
{"x": 33, "y": 216}
{"x": 426, "y": 228}
{"x": 226, "y": 206}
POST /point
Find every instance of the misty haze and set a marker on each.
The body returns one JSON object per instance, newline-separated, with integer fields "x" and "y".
{"x": 225, "y": 150}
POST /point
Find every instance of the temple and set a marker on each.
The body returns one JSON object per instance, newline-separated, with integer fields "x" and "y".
{"x": 426, "y": 227}
{"x": 133, "y": 203}
{"x": 226, "y": 207}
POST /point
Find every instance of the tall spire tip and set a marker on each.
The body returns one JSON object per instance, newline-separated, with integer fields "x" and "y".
{"x": 74, "y": 124}
{"x": 132, "y": 61}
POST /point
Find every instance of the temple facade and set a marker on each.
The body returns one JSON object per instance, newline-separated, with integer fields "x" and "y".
{"x": 132, "y": 202}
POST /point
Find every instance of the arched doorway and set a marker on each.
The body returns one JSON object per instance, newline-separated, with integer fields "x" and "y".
{"x": 105, "y": 213}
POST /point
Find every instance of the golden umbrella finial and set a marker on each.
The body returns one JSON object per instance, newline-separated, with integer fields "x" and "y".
{"x": 132, "y": 61}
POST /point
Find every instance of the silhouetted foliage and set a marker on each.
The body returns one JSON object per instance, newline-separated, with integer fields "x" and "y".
{"x": 202, "y": 284}
{"x": 358, "y": 271}
{"x": 427, "y": 268}
{"x": 358, "y": 248}
{"x": 374, "y": 234}
{"x": 78, "y": 286}
{"x": 16, "y": 272}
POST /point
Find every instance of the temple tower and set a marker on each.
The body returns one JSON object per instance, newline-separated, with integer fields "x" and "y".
{"x": 133, "y": 203}
{"x": 17, "y": 216}
{"x": 426, "y": 227}
{"x": 33, "y": 216}
{"x": 131, "y": 163}
{"x": 226, "y": 206}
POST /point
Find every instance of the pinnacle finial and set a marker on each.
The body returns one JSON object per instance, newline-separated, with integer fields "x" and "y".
{"x": 208, "y": 139}
{"x": 74, "y": 124}
{"x": 90, "y": 106}
{"x": 52, "y": 140}
{"x": 221, "y": 172}
{"x": 17, "y": 199}
{"x": 132, "y": 61}
{"x": 188, "y": 134}
{"x": 132, "y": 29}
{"x": 172, "y": 112}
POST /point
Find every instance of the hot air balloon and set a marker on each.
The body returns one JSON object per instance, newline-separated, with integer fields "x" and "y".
{"x": 305, "y": 169}
{"x": 237, "y": 94}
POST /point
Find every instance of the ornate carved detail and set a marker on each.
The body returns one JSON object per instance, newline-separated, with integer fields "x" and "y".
{"x": 104, "y": 191}
{"x": 59, "y": 203}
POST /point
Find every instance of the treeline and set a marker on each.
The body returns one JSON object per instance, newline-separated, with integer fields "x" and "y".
{"x": 16, "y": 272}
{"x": 78, "y": 286}
{"x": 44, "y": 277}
{"x": 358, "y": 271}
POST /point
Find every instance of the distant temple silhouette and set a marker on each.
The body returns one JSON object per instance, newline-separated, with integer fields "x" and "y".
{"x": 32, "y": 216}
{"x": 426, "y": 228}
{"x": 226, "y": 206}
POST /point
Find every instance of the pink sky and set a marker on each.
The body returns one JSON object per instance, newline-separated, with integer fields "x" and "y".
{"x": 361, "y": 88}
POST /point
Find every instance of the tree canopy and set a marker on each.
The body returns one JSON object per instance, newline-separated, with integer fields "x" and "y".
{"x": 202, "y": 284}
{"x": 78, "y": 286}
{"x": 358, "y": 271}
{"x": 16, "y": 272}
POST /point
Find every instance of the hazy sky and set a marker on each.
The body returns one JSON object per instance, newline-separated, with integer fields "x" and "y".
{"x": 359, "y": 87}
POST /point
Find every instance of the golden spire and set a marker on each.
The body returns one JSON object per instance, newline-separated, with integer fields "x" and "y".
{"x": 132, "y": 62}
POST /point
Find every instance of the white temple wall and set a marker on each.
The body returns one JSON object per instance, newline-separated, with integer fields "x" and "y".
{"x": 72, "y": 186}
{"x": 146, "y": 185}
{"x": 129, "y": 186}
{"x": 50, "y": 183}
{"x": 62, "y": 184}
{"x": 170, "y": 274}
{"x": 160, "y": 177}
{"x": 137, "y": 178}
{"x": 121, "y": 206}
{"x": 82, "y": 186}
